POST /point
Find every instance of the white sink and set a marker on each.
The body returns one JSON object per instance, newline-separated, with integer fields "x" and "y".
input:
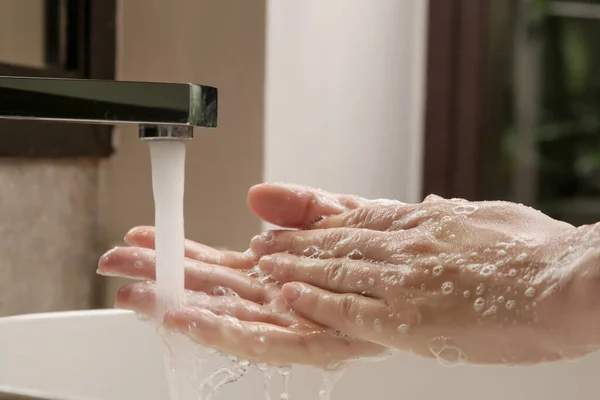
{"x": 110, "y": 355}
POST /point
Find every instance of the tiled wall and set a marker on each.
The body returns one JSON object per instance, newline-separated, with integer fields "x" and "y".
{"x": 48, "y": 235}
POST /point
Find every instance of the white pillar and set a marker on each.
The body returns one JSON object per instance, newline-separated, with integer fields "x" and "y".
{"x": 345, "y": 95}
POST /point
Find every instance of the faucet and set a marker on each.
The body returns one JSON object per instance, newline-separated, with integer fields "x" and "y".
{"x": 162, "y": 111}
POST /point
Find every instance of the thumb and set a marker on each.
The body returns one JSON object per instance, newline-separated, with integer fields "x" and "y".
{"x": 295, "y": 206}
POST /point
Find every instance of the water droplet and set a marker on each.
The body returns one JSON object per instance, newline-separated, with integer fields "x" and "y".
{"x": 312, "y": 252}
{"x": 446, "y": 219}
{"x": 465, "y": 209}
{"x": 487, "y": 251}
{"x": 377, "y": 325}
{"x": 510, "y": 304}
{"x": 467, "y": 294}
{"x": 443, "y": 255}
{"x": 438, "y": 270}
{"x": 371, "y": 281}
{"x": 135, "y": 255}
{"x": 474, "y": 254}
{"x": 453, "y": 236}
{"x": 447, "y": 353}
{"x": 512, "y": 272}
{"x": 521, "y": 257}
{"x": 359, "y": 320}
{"x": 447, "y": 288}
{"x": 356, "y": 255}
{"x": 138, "y": 264}
{"x": 460, "y": 261}
{"x": 403, "y": 328}
{"x": 501, "y": 253}
{"x": 530, "y": 292}
{"x": 478, "y": 304}
{"x": 500, "y": 299}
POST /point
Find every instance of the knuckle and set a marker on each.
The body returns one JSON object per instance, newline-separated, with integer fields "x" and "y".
{"x": 419, "y": 244}
{"x": 335, "y": 273}
{"x": 358, "y": 217}
{"x": 348, "y": 307}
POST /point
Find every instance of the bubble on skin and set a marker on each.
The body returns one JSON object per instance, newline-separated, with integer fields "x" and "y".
{"x": 530, "y": 292}
{"x": 479, "y": 304}
{"x": 447, "y": 353}
{"x": 443, "y": 255}
{"x": 521, "y": 257}
{"x": 467, "y": 294}
{"x": 447, "y": 288}
{"x": 359, "y": 283}
{"x": 501, "y": 253}
{"x": 474, "y": 254}
{"x": 487, "y": 270}
{"x": 491, "y": 311}
{"x": 446, "y": 219}
{"x": 510, "y": 304}
{"x": 371, "y": 281}
{"x": 500, "y": 299}
{"x": 474, "y": 267}
{"x": 453, "y": 236}
{"x": 356, "y": 255}
{"x": 480, "y": 289}
{"x": 512, "y": 272}
{"x": 138, "y": 264}
{"x": 487, "y": 250}
{"x": 438, "y": 270}
{"x": 461, "y": 261}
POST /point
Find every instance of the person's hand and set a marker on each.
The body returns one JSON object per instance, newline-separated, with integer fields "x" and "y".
{"x": 478, "y": 282}
{"x": 227, "y": 309}
{"x": 233, "y": 310}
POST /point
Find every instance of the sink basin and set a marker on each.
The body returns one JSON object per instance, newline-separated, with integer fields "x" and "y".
{"x": 111, "y": 355}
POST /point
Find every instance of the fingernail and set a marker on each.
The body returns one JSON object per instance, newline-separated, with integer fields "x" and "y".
{"x": 265, "y": 237}
{"x": 292, "y": 292}
{"x": 267, "y": 264}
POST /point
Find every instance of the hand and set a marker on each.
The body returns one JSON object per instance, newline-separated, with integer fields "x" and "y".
{"x": 254, "y": 323}
{"x": 461, "y": 281}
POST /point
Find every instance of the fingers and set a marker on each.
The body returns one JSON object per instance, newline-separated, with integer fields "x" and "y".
{"x": 260, "y": 342}
{"x": 141, "y": 298}
{"x": 139, "y": 263}
{"x": 356, "y": 315}
{"x": 340, "y": 275}
{"x": 379, "y": 217}
{"x": 143, "y": 236}
{"x": 337, "y": 242}
{"x": 295, "y": 206}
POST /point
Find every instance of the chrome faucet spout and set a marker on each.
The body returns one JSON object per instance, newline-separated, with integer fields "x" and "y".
{"x": 162, "y": 110}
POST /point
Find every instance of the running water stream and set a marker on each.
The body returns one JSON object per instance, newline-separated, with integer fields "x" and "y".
{"x": 187, "y": 376}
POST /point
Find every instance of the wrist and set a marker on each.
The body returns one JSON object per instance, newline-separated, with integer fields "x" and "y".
{"x": 581, "y": 264}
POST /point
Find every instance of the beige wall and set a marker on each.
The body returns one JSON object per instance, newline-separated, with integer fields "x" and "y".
{"x": 220, "y": 43}
{"x": 21, "y": 32}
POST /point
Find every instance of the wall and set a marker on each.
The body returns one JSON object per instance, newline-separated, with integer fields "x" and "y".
{"x": 220, "y": 43}
{"x": 48, "y": 208}
{"x": 344, "y": 95}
